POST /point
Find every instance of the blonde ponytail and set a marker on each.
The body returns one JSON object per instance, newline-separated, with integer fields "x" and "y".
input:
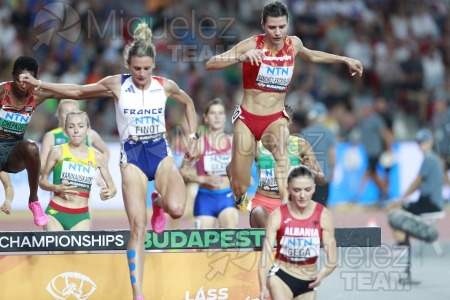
{"x": 142, "y": 44}
{"x": 143, "y": 32}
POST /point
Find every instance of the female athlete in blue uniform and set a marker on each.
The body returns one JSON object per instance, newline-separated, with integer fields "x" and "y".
{"x": 140, "y": 99}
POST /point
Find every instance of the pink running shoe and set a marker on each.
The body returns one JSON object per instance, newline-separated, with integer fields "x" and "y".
{"x": 158, "y": 219}
{"x": 140, "y": 298}
{"x": 40, "y": 218}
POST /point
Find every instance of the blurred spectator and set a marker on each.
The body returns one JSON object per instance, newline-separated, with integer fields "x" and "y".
{"x": 399, "y": 22}
{"x": 376, "y": 138}
{"x": 429, "y": 183}
{"x": 387, "y": 66}
{"x": 339, "y": 33}
{"x": 433, "y": 66}
{"x": 405, "y": 43}
{"x": 307, "y": 25}
{"x": 322, "y": 141}
{"x": 9, "y": 34}
{"x": 422, "y": 22}
{"x": 441, "y": 128}
{"x": 360, "y": 48}
{"x": 413, "y": 95}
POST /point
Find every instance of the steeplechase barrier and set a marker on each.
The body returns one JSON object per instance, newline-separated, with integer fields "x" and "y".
{"x": 180, "y": 264}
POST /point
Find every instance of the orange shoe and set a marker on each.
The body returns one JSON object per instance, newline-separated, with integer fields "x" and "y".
{"x": 158, "y": 220}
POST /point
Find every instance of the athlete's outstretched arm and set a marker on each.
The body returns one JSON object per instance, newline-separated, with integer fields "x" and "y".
{"x": 102, "y": 88}
{"x": 237, "y": 54}
{"x": 315, "y": 56}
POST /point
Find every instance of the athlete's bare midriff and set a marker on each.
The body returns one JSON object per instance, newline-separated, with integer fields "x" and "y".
{"x": 269, "y": 194}
{"x": 73, "y": 201}
{"x": 262, "y": 103}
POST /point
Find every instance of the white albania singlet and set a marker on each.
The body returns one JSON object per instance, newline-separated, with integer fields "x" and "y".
{"x": 140, "y": 113}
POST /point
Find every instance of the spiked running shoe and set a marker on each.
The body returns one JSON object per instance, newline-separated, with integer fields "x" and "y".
{"x": 40, "y": 218}
{"x": 158, "y": 219}
{"x": 241, "y": 203}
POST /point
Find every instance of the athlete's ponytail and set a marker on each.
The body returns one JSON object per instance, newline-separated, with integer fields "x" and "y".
{"x": 142, "y": 44}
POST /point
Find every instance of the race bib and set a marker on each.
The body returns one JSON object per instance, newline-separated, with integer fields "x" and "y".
{"x": 299, "y": 249}
{"x": 216, "y": 164}
{"x": 275, "y": 78}
{"x": 267, "y": 180}
{"x": 13, "y": 122}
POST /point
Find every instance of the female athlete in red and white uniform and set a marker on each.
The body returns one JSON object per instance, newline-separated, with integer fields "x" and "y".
{"x": 299, "y": 228}
{"x": 268, "y": 64}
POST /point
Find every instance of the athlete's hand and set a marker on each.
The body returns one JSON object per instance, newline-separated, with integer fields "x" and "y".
{"x": 317, "y": 280}
{"x": 254, "y": 56}
{"x": 64, "y": 190}
{"x": 305, "y": 161}
{"x": 354, "y": 66}
{"x": 6, "y": 207}
{"x": 191, "y": 150}
{"x": 107, "y": 192}
{"x": 264, "y": 293}
{"x": 28, "y": 78}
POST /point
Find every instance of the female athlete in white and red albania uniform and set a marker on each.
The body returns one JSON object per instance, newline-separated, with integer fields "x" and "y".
{"x": 298, "y": 243}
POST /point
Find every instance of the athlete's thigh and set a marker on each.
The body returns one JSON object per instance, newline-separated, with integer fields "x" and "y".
{"x": 258, "y": 217}
{"x": 53, "y": 224}
{"x": 307, "y": 296}
{"x": 278, "y": 289}
{"x": 169, "y": 183}
{"x": 243, "y": 152}
{"x": 205, "y": 222}
{"x": 228, "y": 218}
{"x": 276, "y": 137}
{"x": 17, "y": 156}
{"x": 82, "y": 225}
{"x": 134, "y": 191}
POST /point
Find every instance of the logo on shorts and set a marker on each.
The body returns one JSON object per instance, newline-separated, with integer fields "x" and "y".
{"x": 71, "y": 285}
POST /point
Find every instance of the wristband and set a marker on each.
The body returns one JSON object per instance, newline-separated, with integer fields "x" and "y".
{"x": 194, "y": 136}
{"x": 39, "y": 86}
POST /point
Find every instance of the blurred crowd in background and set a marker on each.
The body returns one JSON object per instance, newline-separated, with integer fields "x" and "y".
{"x": 404, "y": 47}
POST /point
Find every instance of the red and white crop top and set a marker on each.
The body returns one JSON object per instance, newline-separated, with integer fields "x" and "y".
{"x": 275, "y": 72}
{"x": 214, "y": 161}
{"x": 298, "y": 241}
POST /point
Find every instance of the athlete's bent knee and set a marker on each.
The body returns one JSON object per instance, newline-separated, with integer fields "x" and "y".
{"x": 138, "y": 229}
{"x": 31, "y": 147}
{"x": 239, "y": 188}
{"x": 175, "y": 210}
